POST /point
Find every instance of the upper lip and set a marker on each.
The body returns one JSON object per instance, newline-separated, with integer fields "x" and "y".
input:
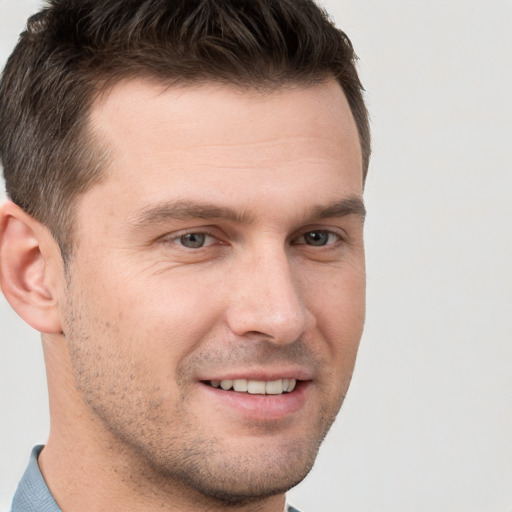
{"x": 261, "y": 374}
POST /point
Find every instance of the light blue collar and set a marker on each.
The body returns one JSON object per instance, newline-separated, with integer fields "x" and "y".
{"x": 33, "y": 494}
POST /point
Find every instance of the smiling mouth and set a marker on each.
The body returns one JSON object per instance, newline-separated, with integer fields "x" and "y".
{"x": 255, "y": 387}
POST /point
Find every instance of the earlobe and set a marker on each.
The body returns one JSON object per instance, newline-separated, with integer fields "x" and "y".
{"x": 26, "y": 259}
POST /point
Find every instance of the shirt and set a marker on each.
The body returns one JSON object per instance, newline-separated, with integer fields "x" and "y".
{"x": 33, "y": 495}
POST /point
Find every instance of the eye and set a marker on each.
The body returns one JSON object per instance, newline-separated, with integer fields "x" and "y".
{"x": 194, "y": 240}
{"x": 318, "y": 238}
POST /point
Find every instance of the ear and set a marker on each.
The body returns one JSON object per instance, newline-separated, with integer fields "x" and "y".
{"x": 31, "y": 269}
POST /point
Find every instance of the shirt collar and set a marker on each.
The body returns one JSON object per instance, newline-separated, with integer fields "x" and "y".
{"x": 32, "y": 494}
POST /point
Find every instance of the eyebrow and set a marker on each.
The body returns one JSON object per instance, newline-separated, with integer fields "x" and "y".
{"x": 187, "y": 210}
{"x": 342, "y": 208}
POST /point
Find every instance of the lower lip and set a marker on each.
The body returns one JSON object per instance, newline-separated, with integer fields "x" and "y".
{"x": 261, "y": 407}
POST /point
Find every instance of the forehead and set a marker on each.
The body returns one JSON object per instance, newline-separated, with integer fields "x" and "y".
{"x": 181, "y": 139}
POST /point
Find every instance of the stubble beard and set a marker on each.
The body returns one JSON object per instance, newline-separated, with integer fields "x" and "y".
{"x": 196, "y": 465}
{"x": 171, "y": 454}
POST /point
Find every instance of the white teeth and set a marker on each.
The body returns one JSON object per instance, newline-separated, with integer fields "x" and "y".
{"x": 240, "y": 385}
{"x": 226, "y": 384}
{"x": 256, "y": 387}
{"x": 274, "y": 388}
{"x": 291, "y": 385}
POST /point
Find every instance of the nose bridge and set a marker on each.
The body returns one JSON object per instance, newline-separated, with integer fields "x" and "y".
{"x": 267, "y": 299}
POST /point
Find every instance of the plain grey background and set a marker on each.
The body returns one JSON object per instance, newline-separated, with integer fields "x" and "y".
{"x": 427, "y": 424}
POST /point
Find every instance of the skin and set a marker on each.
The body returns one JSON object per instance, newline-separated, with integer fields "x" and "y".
{"x": 138, "y": 323}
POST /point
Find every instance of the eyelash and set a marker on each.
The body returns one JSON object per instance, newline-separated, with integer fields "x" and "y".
{"x": 329, "y": 233}
{"x": 176, "y": 239}
{"x": 300, "y": 240}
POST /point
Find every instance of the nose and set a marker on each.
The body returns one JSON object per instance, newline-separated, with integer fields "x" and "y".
{"x": 266, "y": 300}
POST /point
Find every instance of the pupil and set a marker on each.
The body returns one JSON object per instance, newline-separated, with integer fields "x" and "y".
{"x": 193, "y": 240}
{"x": 316, "y": 238}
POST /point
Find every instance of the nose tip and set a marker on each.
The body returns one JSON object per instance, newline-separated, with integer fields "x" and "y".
{"x": 280, "y": 323}
{"x": 268, "y": 303}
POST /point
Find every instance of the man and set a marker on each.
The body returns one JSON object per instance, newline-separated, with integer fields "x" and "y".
{"x": 185, "y": 229}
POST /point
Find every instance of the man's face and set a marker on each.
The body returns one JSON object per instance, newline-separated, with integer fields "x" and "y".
{"x": 224, "y": 246}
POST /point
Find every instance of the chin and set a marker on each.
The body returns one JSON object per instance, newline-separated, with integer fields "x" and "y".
{"x": 256, "y": 472}
{"x": 247, "y": 486}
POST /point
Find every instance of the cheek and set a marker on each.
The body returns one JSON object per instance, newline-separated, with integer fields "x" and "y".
{"x": 119, "y": 369}
{"x": 166, "y": 312}
{"x": 339, "y": 309}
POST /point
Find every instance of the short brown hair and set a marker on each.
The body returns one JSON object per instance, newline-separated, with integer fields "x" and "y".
{"x": 74, "y": 48}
